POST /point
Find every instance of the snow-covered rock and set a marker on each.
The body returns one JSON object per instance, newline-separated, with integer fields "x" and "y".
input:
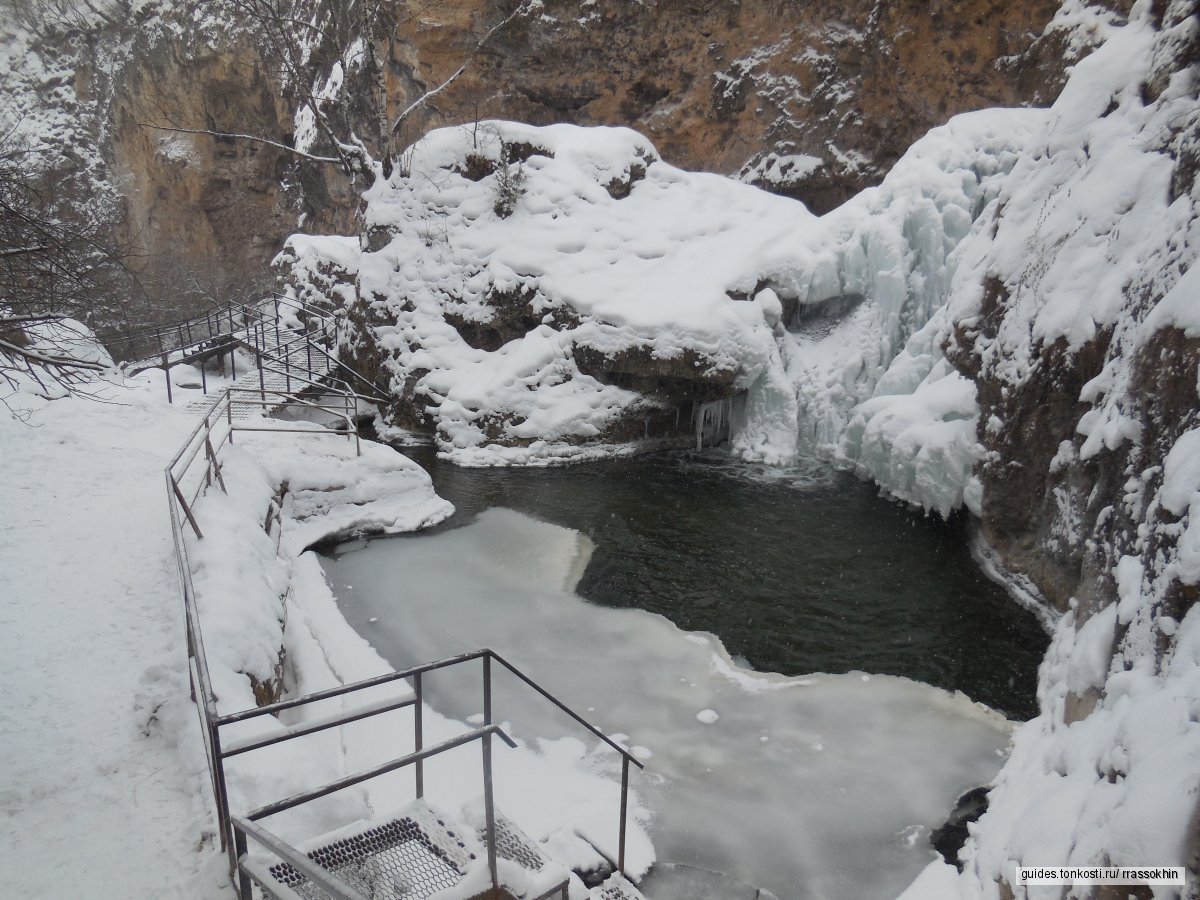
{"x": 552, "y": 293}
{"x": 531, "y": 294}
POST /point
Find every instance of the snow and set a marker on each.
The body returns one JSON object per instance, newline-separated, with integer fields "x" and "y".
{"x": 1181, "y": 474}
{"x": 781, "y": 170}
{"x": 650, "y": 272}
{"x": 937, "y": 881}
{"x": 97, "y": 801}
{"x": 103, "y": 750}
{"x": 1068, "y": 209}
{"x": 660, "y": 272}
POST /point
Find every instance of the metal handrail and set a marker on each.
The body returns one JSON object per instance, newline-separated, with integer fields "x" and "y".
{"x": 340, "y": 690}
{"x": 250, "y": 330}
{"x": 417, "y": 757}
{"x": 179, "y": 327}
{"x": 570, "y": 712}
{"x": 415, "y": 673}
{"x": 401, "y": 674}
{"x": 215, "y": 430}
{"x": 400, "y": 762}
{"x": 378, "y": 397}
{"x": 318, "y": 875}
{"x": 219, "y": 415}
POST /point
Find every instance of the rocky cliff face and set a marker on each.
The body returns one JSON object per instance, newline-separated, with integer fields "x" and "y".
{"x": 812, "y": 100}
{"x": 1083, "y": 340}
{"x": 815, "y": 100}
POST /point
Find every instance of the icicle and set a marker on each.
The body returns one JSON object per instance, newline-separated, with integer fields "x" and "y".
{"x": 712, "y": 422}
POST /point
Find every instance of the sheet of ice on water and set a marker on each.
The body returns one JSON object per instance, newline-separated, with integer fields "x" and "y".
{"x": 822, "y": 787}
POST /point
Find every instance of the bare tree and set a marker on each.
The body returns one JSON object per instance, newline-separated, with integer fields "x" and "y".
{"x": 290, "y": 30}
{"x": 52, "y": 18}
{"x": 58, "y": 266}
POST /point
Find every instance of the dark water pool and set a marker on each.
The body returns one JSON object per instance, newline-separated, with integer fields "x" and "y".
{"x": 796, "y": 572}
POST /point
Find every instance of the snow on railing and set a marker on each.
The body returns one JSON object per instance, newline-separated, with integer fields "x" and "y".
{"x": 194, "y": 469}
{"x": 415, "y": 759}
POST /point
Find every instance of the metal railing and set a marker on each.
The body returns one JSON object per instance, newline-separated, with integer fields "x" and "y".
{"x": 293, "y": 353}
{"x": 420, "y": 753}
{"x": 130, "y": 345}
{"x": 187, "y": 479}
{"x": 151, "y": 341}
{"x": 190, "y": 473}
{"x": 186, "y": 483}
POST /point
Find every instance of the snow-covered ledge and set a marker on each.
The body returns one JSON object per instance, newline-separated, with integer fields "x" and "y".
{"x": 269, "y": 616}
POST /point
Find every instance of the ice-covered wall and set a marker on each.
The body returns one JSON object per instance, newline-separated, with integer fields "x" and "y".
{"x": 1079, "y": 320}
{"x": 1054, "y": 389}
{"x": 865, "y": 376}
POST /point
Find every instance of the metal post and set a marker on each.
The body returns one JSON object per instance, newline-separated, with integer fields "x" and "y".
{"x": 487, "y": 690}
{"x": 287, "y": 369}
{"x": 214, "y": 467}
{"x": 187, "y": 510}
{"x": 418, "y": 736}
{"x": 208, "y": 455}
{"x": 262, "y": 386}
{"x": 221, "y": 798}
{"x": 229, "y": 413}
{"x": 489, "y": 810}
{"x": 203, "y": 379}
{"x": 232, "y": 356}
{"x": 167, "y": 375}
{"x": 244, "y": 888}
{"x": 308, "y": 351}
{"x": 624, "y": 810}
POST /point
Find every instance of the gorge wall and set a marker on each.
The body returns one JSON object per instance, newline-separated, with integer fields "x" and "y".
{"x": 812, "y": 100}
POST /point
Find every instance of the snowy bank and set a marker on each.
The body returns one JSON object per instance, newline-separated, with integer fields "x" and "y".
{"x": 102, "y": 634}
{"x": 272, "y": 629}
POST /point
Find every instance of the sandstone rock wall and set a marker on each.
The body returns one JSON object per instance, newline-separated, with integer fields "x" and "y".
{"x": 813, "y": 100}
{"x": 724, "y": 86}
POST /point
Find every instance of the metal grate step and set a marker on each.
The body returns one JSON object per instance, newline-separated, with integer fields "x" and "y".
{"x": 408, "y": 858}
{"x": 513, "y": 844}
{"x": 616, "y": 887}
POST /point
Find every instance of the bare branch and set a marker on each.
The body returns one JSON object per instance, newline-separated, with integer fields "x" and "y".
{"x": 17, "y": 251}
{"x": 68, "y": 362}
{"x": 244, "y": 137}
{"x": 30, "y": 319}
{"x": 523, "y": 10}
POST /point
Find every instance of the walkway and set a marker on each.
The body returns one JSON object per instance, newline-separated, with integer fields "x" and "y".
{"x": 86, "y": 581}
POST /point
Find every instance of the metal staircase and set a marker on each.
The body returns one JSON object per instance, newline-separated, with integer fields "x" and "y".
{"x": 292, "y": 346}
{"x": 415, "y": 853}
